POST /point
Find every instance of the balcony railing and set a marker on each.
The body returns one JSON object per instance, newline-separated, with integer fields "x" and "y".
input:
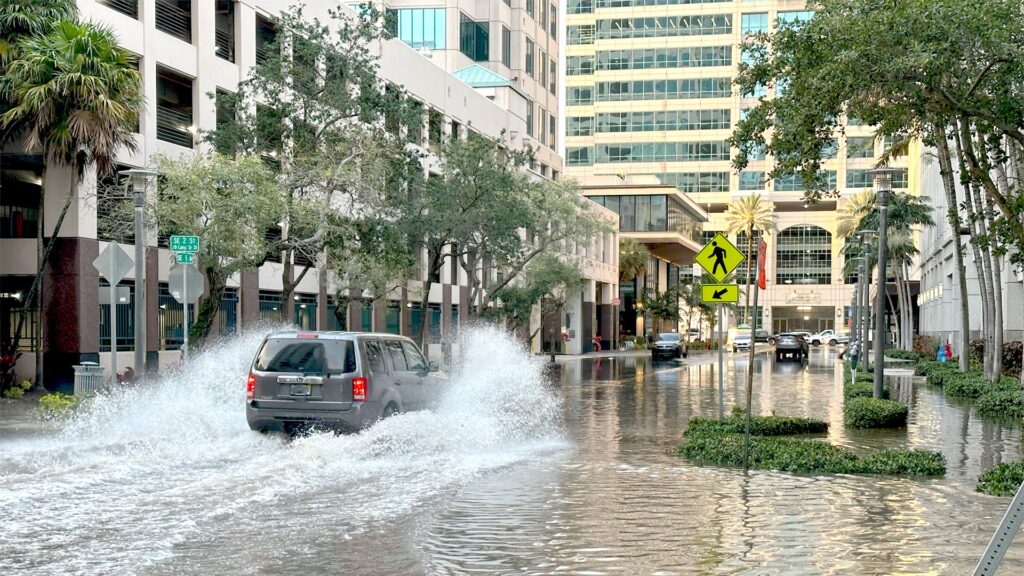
{"x": 127, "y": 7}
{"x": 225, "y": 45}
{"x": 174, "y": 20}
{"x": 172, "y": 125}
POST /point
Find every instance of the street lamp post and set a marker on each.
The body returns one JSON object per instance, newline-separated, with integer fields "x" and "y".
{"x": 864, "y": 295}
{"x": 140, "y": 181}
{"x": 883, "y": 186}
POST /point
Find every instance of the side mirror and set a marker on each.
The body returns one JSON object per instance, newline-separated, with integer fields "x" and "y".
{"x": 432, "y": 366}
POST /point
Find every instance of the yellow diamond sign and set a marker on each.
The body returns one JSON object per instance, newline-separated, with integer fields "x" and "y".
{"x": 718, "y": 293}
{"x": 719, "y": 257}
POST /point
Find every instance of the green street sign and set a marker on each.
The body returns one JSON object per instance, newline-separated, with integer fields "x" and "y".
{"x": 718, "y": 293}
{"x": 185, "y": 257}
{"x": 184, "y": 244}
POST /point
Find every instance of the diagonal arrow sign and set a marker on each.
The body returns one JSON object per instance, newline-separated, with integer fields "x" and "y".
{"x": 719, "y": 293}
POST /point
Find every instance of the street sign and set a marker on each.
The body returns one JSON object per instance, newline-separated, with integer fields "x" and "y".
{"x": 113, "y": 263}
{"x": 719, "y": 257}
{"x": 184, "y": 243}
{"x": 122, "y": 294}
{"x": 718, "y": 293}
{"x": 193, "y": 283}
{"x": 185, "y": 257}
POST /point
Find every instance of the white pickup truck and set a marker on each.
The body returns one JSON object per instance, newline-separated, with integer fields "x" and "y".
{"x": 830, "y": 337}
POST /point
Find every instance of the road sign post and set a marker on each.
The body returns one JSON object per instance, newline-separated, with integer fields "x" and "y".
{"x": 721, "y": 367}
{"x": 113, "y": 264}
{"x": 719, "y": 258}
{"x": 189, "y": 284}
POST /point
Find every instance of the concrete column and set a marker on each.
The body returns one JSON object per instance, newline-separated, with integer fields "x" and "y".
{"x": 405, "y": 315}
{"x": 354, "y": 315}
{"x": 321, "y": 301}
{"x": 249, "y": 297}
{"x": 446, "y": 311}
{"x": 71, "y": 310}
{"x": 380, "y": 315}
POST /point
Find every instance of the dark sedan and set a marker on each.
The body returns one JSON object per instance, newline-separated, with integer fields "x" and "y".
{"x": 790, "y": 345}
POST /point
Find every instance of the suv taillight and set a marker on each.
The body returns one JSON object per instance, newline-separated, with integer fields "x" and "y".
{"x": 359, "y": 389}
{"x": 250, "y": 387}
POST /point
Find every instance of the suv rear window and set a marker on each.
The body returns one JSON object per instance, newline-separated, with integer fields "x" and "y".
{"x": 307, "y": 356}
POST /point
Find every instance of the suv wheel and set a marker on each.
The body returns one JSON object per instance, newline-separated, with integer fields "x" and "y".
{"x": 833, "y": 342}
{"x": 390, "y": 410}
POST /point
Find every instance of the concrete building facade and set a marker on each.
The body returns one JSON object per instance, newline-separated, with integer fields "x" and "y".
{"x": 188, "y": 50}
{"x": 649, "y": 91}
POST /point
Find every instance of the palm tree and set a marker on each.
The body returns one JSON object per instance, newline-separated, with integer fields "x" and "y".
{"x": 746, "y": 215}
{"x": 76, "y": 97}
{"x": 633, "y": 259}
{"x": 853, "y": 211}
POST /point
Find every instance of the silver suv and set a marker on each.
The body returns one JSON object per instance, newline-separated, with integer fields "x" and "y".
{"x": 337, "y": 380}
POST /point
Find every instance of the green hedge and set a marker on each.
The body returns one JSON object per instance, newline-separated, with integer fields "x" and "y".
{"x": 898, "y": 354}
{"x": 1001, "y": 404}
{"x": 1003, "y": 480}
{"x": 1000, "y": 399}
{"x": 759, "y": 425}
{"x": 874, "y": 413}
{"x": 710, "y": 444}
{"x": 861, "y": 389}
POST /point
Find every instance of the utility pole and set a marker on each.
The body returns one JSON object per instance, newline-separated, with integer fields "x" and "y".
{"x": 140, "y": 181}
{"x": 883, "y": 181}
{"x": 864, "y": 295}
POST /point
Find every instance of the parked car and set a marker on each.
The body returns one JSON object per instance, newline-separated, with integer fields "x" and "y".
{"x": 337, "y": 380}
{"x": 763, "y": 336}
{"x": 830, "y": 337}
{"x": 790, "y": 345}
{"x": 805, "y": 335}
{"x": 694, "y": 334}
{"x": 741, "y": 341}
{"x": 669, "y": 345}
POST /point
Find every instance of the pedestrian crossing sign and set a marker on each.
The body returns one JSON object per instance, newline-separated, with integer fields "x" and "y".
{"x": 719, "y": 257}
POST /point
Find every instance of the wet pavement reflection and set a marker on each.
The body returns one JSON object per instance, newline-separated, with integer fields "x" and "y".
{"x": 621, "y": 502}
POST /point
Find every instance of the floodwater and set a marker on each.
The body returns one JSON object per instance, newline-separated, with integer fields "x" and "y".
{"x": 516, "y": 472}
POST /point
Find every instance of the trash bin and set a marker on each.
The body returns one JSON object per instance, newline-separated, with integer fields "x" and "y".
{"x": 88, "y": 377}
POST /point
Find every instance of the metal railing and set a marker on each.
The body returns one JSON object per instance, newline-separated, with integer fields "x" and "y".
{"x": 174, "y": 19}
{"x": 88, "y": 378}
{"x": 127, "y": 7}
{"x": 172, "y": 125}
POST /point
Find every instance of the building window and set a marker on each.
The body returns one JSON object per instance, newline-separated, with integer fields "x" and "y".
{"x": 529, "y": 118}
{"x": 628, "y": 3}
{"x": 644, "y": 213}
{"x": 858, "y": 179}
{"x": 664, "y": 89}
{"x": 473, "y": 38}
{"x": 795, "y": 182}
{"x": 899, "y": 179}
{"x": 579, "y": 126}
{"x": 794, "y": 16}
{"x": 542, "y": 125}
{"x": 803, "y": 255}
{"x": 664, "y": 26}
{"x": 578, "y": 156}
{"x": 752, "y": 180}
{"x": 542, "y": 64}
{"x": 860, "y": 147}
{"x": 506, "y": 47}
{"x": 225, "y": 30}
{"x": 531, "y": 58}
{"x": 553, "y": 24}
{"x": 579, "y": 95}
{"x": 754, "y": 23}
{"x": 266, "y": 38}
{"x": 553, "y": 84}
{"x": 581, "y": 34}
{"x": 421, "y": 27}
{"x": 580, "y": 7}
{"x": 543, "y": 15}
{"x": 175, "y": 18}
{"x": 552, "y": 131}
{"x": 126, "y": 7}
{"x": 641, "y": 59}
{"x": 174, "y": 122}
{"x": 696, "y": 182}
{"x": 663, "y": 152}
{"x": 579, "y": 65}
{"x": 665, "y": 121}
{"x": 531, "y": 8}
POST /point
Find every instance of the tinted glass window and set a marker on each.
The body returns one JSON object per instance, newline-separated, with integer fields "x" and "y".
{"x": 669, "y": 337}
{"x": 413, "y": 357}
{"x": 375, "y": 357}
{"x": 308, "y": 356}
{"x": 394, "y": 349}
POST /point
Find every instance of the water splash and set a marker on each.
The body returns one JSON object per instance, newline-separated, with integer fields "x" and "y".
{"x": 142, "y": 474}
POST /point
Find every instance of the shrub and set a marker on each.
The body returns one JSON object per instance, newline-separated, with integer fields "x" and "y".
{"x": 940, "y": 371}
{"x": 17, "y": 390}
{"x": 965, "y": 384}
{"x": 925, "y": 346}
{"x": 709, "y": 445}
{"x": 1013, "y": 352}
{"x": 976, "y": 350}
{"x": 1003, "y": 480}
{"x": 1001, "y": 404}
{"x": 759, "y": 425}
{"x": 897, "y": 354}
{"x": 874, "y": 413}
{"x": 926, "y": 365}
{"x": 56, "y": 405}
{"x": 863, "y": 390}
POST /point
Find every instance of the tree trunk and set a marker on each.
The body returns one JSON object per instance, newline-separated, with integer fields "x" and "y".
{"x": 40, "y": 261}
{"x": 208, "y": 308}
{"x": 992, "y": 305}
{"x": 287, "y": 287}
{"x": 986, "y": 318}
{"x": 910, "y": 310}
{"x": 953, "y": 217}
{"x": 995, "y": 265}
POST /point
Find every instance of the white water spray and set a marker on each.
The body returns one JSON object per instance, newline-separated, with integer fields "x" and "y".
{"x": 142, "y": 477}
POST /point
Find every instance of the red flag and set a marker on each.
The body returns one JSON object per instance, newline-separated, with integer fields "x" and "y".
{"x": 762, "y": 247}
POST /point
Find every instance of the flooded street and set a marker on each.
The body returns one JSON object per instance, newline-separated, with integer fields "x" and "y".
{"x": 514, "y": 473}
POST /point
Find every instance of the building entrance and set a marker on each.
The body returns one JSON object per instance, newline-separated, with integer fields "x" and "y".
{"x": 812, "y": 319}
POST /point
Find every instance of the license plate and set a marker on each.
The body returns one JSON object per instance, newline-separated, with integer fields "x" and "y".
{"x": 300, "y": 390}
